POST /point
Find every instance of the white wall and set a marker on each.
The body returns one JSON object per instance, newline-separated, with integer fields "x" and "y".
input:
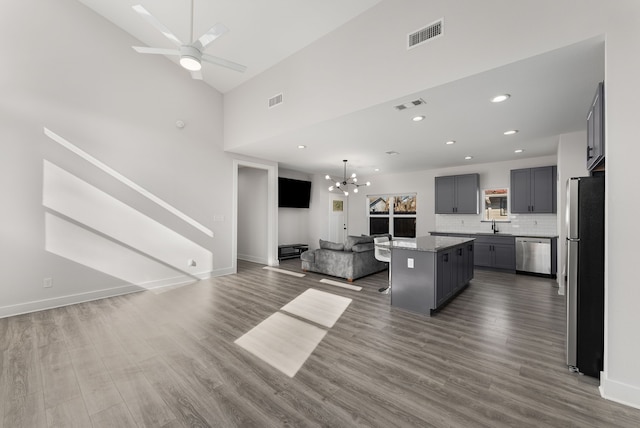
{"x": 423, "y": 184}
{"x": 76, "y": 74}
{"x": 252, "y": 215}
{"x": 326, "y": 80}
{"x": 571, "y": 163}
{"x": 293, "y": 223}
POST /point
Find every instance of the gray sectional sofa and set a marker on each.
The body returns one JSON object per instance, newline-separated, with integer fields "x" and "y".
{"x": 351, "y": 260}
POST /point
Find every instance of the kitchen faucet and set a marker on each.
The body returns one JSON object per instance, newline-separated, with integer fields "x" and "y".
{"x": 493, "y": 226}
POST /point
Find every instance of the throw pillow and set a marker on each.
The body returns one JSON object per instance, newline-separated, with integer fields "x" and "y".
{"x": 355, "y": 240}
{"x": 328, "y": 245}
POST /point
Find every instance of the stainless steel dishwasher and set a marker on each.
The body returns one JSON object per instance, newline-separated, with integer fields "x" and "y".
{"x": 533, "y": 255}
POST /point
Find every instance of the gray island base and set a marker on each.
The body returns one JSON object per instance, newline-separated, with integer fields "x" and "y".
{"x": 429, "y": 271}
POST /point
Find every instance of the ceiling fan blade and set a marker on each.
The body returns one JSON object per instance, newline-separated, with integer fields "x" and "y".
{"x": 157, "y": 51}
{"x": 223, "y": 63}
{"x": 159, "y": 26}
{"x": 196, "y": 75}
{"x": 208, "y": 37}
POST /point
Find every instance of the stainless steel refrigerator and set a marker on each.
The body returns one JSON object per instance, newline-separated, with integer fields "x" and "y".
{"x": 585, "y": 274}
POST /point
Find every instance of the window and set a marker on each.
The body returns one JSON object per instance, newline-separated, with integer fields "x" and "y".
{"x": 495, "y": 203}
{"x": 392, "y": 214}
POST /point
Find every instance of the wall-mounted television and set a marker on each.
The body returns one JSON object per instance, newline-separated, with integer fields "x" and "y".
{"x": 293, "y": 193}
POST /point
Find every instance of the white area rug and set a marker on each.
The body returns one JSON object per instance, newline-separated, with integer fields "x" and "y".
{"x": 282, "y": 341}
{"x": 318, "y": 306}
{"x": 341, "y": 284}
{"x": 288, "y": 272}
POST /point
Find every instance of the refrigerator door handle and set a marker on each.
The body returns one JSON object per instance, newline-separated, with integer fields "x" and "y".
{"x": 572, "y": 302}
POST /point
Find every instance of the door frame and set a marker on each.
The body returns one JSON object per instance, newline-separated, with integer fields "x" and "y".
{"x": 272, "y": 210}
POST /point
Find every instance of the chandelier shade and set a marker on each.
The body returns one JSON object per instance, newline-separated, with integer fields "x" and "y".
{"x": 345, "y": 184}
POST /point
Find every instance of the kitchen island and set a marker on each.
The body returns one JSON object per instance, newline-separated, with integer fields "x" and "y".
{"x": 429, "y": 271}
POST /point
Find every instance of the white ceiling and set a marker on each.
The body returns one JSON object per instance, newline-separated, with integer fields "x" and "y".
{"x": 261, "y": 33}
{"x": 550, "y": 93}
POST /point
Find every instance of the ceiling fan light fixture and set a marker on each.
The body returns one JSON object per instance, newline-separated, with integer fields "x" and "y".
{"x": 190, "y": 63}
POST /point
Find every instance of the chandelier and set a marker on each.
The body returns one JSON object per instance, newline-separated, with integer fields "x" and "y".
{"x": 342, "y": 185}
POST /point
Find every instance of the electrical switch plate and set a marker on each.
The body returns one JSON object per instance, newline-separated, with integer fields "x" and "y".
{"x": 47, "y": 283}
{"x": 410, "y": 263}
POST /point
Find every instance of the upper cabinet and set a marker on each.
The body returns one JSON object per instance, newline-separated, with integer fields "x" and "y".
{"x": 595, "y": 130}
{"x": 533, "y": 190}
{"x": 457, "y": 194}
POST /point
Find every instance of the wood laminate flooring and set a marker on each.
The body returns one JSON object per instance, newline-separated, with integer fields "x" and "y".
{"x": 493, "y": 357}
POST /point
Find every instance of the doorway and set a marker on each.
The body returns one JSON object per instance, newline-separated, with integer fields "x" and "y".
{"x": 255, "y": 211}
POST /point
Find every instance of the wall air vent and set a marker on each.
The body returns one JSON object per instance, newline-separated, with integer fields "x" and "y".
{"x": 423, "y": 35}
{"x": 275, "y": 100}
{"x": 410, "y": 104}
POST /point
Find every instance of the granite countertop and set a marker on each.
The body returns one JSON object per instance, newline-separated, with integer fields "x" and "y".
{"x": 426, "y": 243}
{"x": 520, "y": 235}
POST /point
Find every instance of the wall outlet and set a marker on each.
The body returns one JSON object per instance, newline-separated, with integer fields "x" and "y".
{"x": 47, "y": 283}
{"x": 410, "y": 263}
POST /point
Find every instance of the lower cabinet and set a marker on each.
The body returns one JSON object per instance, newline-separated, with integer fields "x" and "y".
{"x": 491, "y": 251}
{"x": 497, "y": 252}
{"x": 423, "y": 281}
{"x": 454, "y": 270}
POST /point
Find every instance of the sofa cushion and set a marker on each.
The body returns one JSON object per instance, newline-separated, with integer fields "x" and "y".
{"x": 355, "y": 240}
{"x": 328, "y": 245}
{"x": 359, "y": 248}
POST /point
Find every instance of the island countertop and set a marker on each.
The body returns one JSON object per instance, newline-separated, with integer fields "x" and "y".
{"x": 432, "y": 244}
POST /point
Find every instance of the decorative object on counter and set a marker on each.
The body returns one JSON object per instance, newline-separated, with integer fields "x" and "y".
{"x": 343, "y": 185}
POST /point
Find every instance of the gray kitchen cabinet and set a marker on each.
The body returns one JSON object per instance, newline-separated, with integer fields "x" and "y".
{"x": 533, "y": 190}
{"x": 457, "y": 194}
{"x": 595, "y": 130}
{"x": 425, "y": 278}
{"x": 498, "y": 252}
{"x": 444, "y": 281}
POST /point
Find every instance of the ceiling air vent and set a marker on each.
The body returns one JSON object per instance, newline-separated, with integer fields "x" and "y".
{"x": 275, "y": 100}
{"x": 425, "y": 34}
{"x": 410, "y": 104}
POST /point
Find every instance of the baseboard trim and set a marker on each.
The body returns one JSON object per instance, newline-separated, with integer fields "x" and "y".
{"x": 622, "y": 393}
{"x": 72, "y": 299}
{"x": 56, "y": 302}
{"x": 253, "y": 259}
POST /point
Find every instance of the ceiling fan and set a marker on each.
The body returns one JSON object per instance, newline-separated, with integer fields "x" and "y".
{"x": 191, "y": 55}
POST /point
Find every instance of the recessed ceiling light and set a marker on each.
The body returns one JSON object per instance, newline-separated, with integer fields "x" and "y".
{"x": 302, "y": 147}
{"x": 511, "y": 132}
{"x": 518, "y": 150}
{"x": 417, "y": 118}
{"x": 392, "y": 153}
{"x": 468, "y": 157}
{"x": 450, "y": 142}
{"x": 500, "y": 98}
{"x": 376, "y": 169}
